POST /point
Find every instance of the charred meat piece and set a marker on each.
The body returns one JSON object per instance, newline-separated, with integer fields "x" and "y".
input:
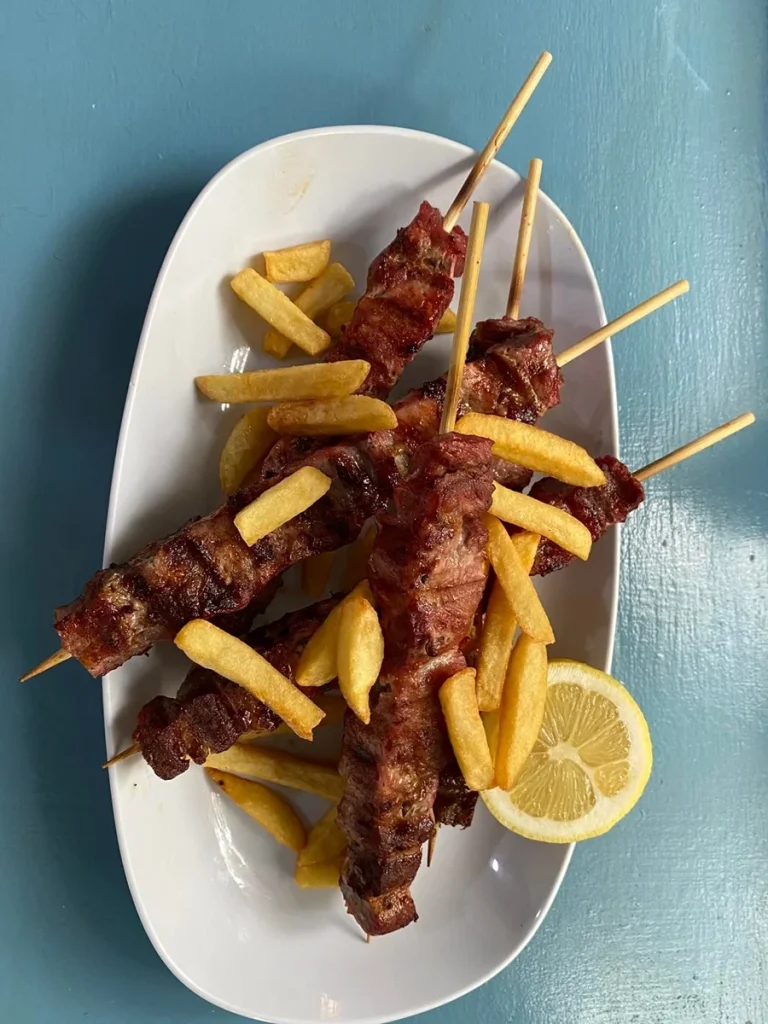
{"x": 455, "y": 804}
{"x": 598, "y": 508}
{"x": 210, "y": 713}
{"x": 427, "y": 571}
{"x": 207, "y": 568}
{"x": 513, "y": 373}
{"x": 409, "y": 287}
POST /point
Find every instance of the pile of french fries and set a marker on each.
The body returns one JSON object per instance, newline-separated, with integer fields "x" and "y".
{"x": 494, "y": 712}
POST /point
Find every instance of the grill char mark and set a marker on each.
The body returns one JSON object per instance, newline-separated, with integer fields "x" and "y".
{"x": 409, "y": 287}
{"x": 126, "y": 609}
{"x": 210, "y": 713}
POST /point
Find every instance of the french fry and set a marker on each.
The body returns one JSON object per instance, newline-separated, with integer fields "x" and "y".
{"x": 356, "y": 568}
{"x": 249, "y": 442}
{"x": 278, "y": 310}
{"x": 319, "y": 876}
{"x": 287, "y": 499}
{"x": 520, "y": 591}
{"x": 535, "y": 448}
{"x": 356, "y": 414}
{"x": 465, "y": 730}
{"x": 269, "y": 809}
{"x": 542, "y": 519}
{"x": 325, "y": 841}
{"x": 338, "y": 316}
{"x": 333, "y": 704}
{"x": 271, "y": 765}
{"x": 447, "y": 323}
{"x": 319, "y": 296}
{"x": 316, "y": 572}
{"x": 297, "y": 262}
{"x": 286, "y": 383}
{"x": 360, "y": 654}
{"x": 318, "y": 662}
{"x": 211, "y": 647}
{"x": 498, "y": 633}
{"x": 522, "y": 709}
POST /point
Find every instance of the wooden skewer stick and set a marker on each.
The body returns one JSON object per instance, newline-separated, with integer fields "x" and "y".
{"x": 524, "y": 238}
{"x": 50, "y": 662}
{"x": 496, "y": 141}
{"x": 693, "y": 447}
{"x": 432, "y": 844}
{"x": 464, "y": 317}
{"x": 122, "y": 755}
{"x": 625, "y": 320}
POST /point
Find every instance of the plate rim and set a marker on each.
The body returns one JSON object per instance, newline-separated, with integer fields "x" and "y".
{"x": 461, "y": 150}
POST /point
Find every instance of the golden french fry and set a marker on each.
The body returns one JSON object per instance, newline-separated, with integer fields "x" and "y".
{"x": 276, "y": 344}
{"x": 318, "y": 662}
{"x": 269, "y": 809}
{"x": 356, "y": 414}
{"x": 332, "y": 704}
{"x": 522, "y": 709}
{"x": 338, "y": 316}
{"x": 356, "y": 568}
{"x": 360, "y": 654}
{"x": 498, "y": 633}
{"x": 287, "y": 499}
{"x": 542, "y": 519}
{"x": 294, "y": 383}
{"x": 278, "y": 310}
{"x": 520, "y": 591}
{"x": 319, "y": 876}
{"x": 211, "y": 647}
{"x": 465, "y": 729}
{"x": 316, "y": 572}
{"x": 249, "y": 442}
{"x": 319, "y": 296}
{"x": 325, "y": 841}
{"x": 535, "y": 448}
{"x": 277, "y": 766}
{"x": 447, "y": 323}
{"x": 297, "y": 262}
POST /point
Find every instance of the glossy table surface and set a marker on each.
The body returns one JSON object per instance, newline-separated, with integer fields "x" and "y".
{"x": 652, "y": 130}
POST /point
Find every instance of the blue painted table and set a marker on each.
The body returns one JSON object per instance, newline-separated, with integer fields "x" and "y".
{"x": 652, "y": 130}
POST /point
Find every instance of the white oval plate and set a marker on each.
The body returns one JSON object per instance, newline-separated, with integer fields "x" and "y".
{"x": 215, "y": 894}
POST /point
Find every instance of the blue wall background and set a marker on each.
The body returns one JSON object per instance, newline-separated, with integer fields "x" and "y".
{"x": 652, "y": 128}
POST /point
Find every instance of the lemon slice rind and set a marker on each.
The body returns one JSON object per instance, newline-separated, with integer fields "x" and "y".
{"x": 608, "y": 810}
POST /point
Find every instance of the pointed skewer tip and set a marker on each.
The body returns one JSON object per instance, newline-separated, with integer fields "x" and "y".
{"x": 122, "y": 755}
{"x": 494, "y": 144}
{"x": 50, "y": 662}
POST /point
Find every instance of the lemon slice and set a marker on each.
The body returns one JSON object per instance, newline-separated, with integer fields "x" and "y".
{"x": 590, "y": 763}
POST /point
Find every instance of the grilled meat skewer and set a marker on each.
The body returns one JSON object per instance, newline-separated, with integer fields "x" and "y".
{"x": 427, "y": 571}
{"x": 409, "y": 287}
